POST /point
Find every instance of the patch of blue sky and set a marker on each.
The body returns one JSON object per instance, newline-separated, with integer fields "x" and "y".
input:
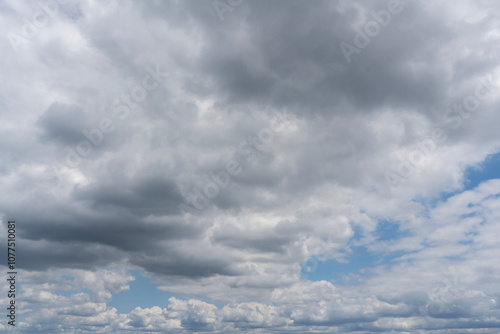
{"x": 329, "y": 270}
{"x": 360, "y": 258}
{"x": 357, "y": 261}
{"x": 473, "y": 176}
{"x": 489, "y": 169}
{"x": 143, "y": 293}
{"x": 389, "y": 230}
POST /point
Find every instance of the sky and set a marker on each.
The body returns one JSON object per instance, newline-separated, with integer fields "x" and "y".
{"x": 251, "y": 166}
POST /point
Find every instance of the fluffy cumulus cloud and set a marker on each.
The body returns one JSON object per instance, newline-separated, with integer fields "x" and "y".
{"x": 242, "y": 154}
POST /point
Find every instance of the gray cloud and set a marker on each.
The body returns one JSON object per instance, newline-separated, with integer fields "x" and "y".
{"x": 315, "y": 189}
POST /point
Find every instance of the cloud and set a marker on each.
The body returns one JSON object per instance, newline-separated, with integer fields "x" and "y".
{"x": 267, "y": 92}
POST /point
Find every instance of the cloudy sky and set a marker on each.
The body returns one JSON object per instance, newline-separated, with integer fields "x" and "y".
{"x": 253, "y": 166}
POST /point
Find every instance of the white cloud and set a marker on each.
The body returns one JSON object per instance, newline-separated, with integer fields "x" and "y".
{"x": 316, "y": 190}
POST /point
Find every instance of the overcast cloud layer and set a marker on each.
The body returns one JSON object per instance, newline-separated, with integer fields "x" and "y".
{"x": 228, "y": 149}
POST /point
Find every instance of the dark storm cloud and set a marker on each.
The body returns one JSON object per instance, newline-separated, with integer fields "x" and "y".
{"x": 260, "y": 243}
{"x": 118, "y": 230}
{"x": 45, "y": 255}
{"x": 294, "y": 59}
{"x": 92, "y": 239}
{"x": 63, "y": 123}
{"x": 173, "y": 263}
{"x": 150, "y": 195}
{"x": 237, "y": 79}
